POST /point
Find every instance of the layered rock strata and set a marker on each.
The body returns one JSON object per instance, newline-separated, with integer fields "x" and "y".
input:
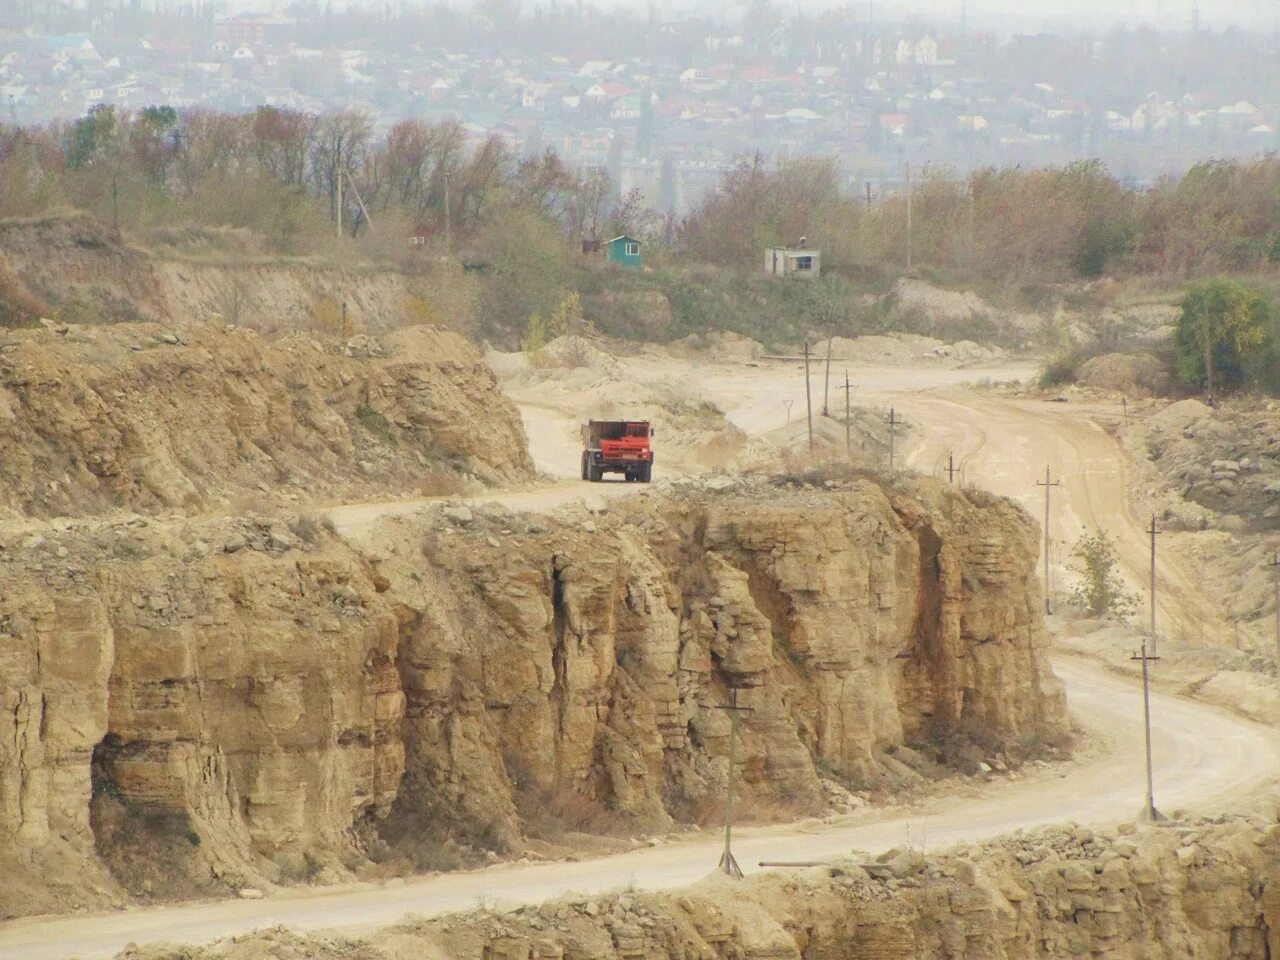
{"x": 222, "y": 703}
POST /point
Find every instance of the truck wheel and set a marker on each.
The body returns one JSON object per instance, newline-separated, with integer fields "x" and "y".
{"x": 595, "y": 474}
{"x": 646, "y": 473}
{"x": 585, "y": 461}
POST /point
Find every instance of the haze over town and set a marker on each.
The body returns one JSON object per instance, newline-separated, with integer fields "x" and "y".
{"x": 510, "y": 480}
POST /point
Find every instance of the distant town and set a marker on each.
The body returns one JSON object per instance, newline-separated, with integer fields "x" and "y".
{"x": 881, "y": 97}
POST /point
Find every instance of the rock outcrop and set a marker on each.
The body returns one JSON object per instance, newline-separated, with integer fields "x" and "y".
{"x": 149, "y": 418}
{"x": 1188, "y": 890}
{"x": 214, "y": 704}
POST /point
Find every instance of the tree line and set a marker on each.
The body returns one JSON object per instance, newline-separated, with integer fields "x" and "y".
{"x": 1005, "y": 226}
{"x": 289, "y": 174}
{"x": 291, "y": 178}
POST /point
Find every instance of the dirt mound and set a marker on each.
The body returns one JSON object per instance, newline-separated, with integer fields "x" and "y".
{"x": 721, "y": 345}
{"x": 148, "y": 418}
{"x": 1224, "y": 459}
{"x": 903, "y": 349}
{"x": 1136, "y": 374}
{"x": 957, "y": 315}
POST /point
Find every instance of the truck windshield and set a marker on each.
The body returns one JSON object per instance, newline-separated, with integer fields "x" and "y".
{"x": 637, "y": 429}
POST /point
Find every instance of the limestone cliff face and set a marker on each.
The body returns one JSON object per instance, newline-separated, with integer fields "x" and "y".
{"x": 218, "y": 703}
{"x": 150, "y": 418}
{"x": 240, "y": 693}
{"x": 849, "y": 621}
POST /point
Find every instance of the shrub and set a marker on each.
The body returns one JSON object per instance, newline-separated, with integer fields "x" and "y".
{"x": 1060, "y": 369}
{"x": 376, "y": 423}
{"x": 1100, "y": 591}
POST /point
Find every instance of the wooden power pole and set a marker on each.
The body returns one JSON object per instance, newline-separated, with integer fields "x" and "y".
{"x": 808, "y": 396}
{"x": 951, "y": 468}
{"x": 893, "y": 435}
{"x": 1155, "y": 643}
{"x": 848, "y": 418}
{"x": 1275, "y": 575}
{"x": 826, "y": 381}
{"x": 1149, "y": 812}
{"x": 728, "y": 864}
{"x": 1048, "y": 485}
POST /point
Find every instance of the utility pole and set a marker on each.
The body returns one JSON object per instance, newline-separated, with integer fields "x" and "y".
{"x": 448, "y": 216}
{"x": 1047, "y": 487}
{"x": 909, "y": 244}
{"x": 951, "y": 468}
{"x": 1124, "y": 409}
{"x": 893, "y": 431}
{"x": 338, "y": 232}
{"x": 1275, "y": 571}
{"x": 727, "y": 862}
{"x": 826, "y": 382}
{"x": 868, "y": 185}
{"x": 787, "y": 404}
{"x": 848, "y": 442}
{"x": 1153, "y": 531}
{"x": 359, "y": 199}
{"x": 808, "y": 397}
{"x": 1149, "y": 812}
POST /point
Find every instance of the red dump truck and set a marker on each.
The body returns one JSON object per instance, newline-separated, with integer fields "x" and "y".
{"x": 617, "y": 446}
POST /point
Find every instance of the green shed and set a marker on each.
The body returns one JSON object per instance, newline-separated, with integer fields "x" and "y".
{"x": 624, "y": 250}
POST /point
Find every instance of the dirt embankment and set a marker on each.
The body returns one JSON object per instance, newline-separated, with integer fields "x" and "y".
{"x": 1211, "y": 475}
{"x": 88, "y": 273}
{"x": 199, "y": 416}
{"x": 1206, "y": 889}
{"x": 1213, "y": 466}
{"x": 203, "y": 706}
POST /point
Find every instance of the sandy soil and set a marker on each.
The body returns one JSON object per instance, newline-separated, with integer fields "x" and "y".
{"x": 1207, "y": 759}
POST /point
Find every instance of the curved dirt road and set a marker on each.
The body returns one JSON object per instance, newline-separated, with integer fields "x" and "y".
{"x": 1206, "y": 759}
{"x": 1004, "y": 445}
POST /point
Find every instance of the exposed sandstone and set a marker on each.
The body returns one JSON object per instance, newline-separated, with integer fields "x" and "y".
{"x": 240, "y": 703}
{"x": 187, "y": 417}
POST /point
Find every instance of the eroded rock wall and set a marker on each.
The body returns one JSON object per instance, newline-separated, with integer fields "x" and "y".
{"x": 218, "y": 703}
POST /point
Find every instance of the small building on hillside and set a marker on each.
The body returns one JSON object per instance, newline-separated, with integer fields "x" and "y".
{"x": 624, "y": 250}
{"x": 797, "y": 262}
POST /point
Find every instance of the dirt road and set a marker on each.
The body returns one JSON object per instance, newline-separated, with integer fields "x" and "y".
{"x": 1206, "y": 760}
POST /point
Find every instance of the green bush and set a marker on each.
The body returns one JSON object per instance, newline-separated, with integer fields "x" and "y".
{"x": 1100, "y": 592}
{"x": 376, "y": 424}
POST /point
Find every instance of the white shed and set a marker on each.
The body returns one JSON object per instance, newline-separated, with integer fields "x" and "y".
{"x": 801, "y": 262}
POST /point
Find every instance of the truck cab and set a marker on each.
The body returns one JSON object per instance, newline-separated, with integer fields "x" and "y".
{"x": 617, "y": 446}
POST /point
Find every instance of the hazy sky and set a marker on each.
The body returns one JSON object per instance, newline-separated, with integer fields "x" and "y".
{"x": 1011, "y": 14}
